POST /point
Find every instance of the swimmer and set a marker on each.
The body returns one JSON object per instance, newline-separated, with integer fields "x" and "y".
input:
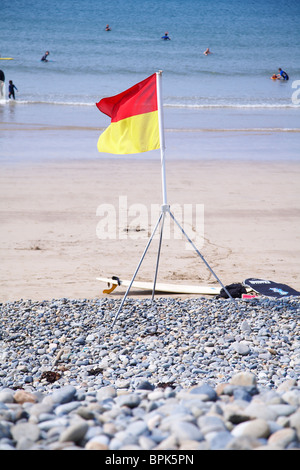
{"x": 44, "y": 58}
{"x": 107, "y": 28}
{"x": 282, "y": 74}
{"x": 274, "y": 76}
{"x": 207, "y": 51}
{"x": 166, "y": 37}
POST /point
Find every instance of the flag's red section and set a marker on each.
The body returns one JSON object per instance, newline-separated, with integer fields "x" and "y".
{"x": 139, "y": 99}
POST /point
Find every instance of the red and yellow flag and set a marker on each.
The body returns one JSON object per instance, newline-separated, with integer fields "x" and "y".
{"x": 134, "y": 120}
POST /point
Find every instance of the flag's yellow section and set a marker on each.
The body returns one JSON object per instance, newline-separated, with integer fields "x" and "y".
{"x": 134, "y": 134}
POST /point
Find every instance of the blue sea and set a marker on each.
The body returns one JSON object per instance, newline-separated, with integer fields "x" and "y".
{"x": 220, "y": 105}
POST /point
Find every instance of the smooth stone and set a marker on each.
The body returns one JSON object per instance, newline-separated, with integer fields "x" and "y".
{"x": 244, "y": 379}
{"x": 294, "y": 421}
{"x": 99, "y": 442}
{"x": 106, "y": 392}
{"x": 283, "y": 438}
{"x": 243, "y": 443}
{"x": 137, "y": 428}
{"x": 40, "y": 408}
{"x": 21, "y": 396}
{"x": 145, "y": 385}
{"x": 29, "y": 430}
{"x": 169, "y": 443}
{"x": 66, "y": 408}
{"x": 241, "y": 348}
{"x": 240, "y": 393}
{"x": 24, "y": 443}
{"x": 220, "y": 440}
{"x": 7, "y": 396}
{"x": 186, "y": 431}
{"x": 96, "y": 446}
{"x": 193, "y": 445}
{"x": 75, "y": 432}
{"x": 286, "y": 385}
{"x": 256, "y": 428}
{"x": 62, "y": 395}
{"x": 207, "y": 392}
{"x": 260, "y": 410}
{"x": 208, "y": 424}
{"x": 6, "y": 447}
{"x": 292, "y": 397}
{"x": 245, "y": 326}
{"x": 85, "y": 413}
{"x": 131, "y": 400}
{"x": 126, "y": 438}
{"x": 53, "y": 423}
{"x": 168, "y": 421}
{"x": 283, "y": 410}
{"x": 146, "y": 443}
{"x": 5, "y": 430}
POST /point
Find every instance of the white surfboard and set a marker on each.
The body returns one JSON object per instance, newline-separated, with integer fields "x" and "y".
{"x": 160, "y": 287}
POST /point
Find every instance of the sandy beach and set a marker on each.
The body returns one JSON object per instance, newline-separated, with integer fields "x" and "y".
{"x": 50, "y": 243}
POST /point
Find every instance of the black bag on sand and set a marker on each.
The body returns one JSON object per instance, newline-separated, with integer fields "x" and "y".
{"x": 235, "y": 290}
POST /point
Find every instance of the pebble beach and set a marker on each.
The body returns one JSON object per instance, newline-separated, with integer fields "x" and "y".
{"x": 172, "y": 375}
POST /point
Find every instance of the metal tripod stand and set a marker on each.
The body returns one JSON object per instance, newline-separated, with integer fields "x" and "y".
{"x": 165, "y": 209}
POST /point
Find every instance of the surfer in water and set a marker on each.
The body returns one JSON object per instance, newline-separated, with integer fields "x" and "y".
{"x": 166, "y": 37}
{"x": 11, "y": 90}
{"x": 282, "y": 74}
{"x": 107, "y": 28}
{"x": 44, "y": 58}
{"x": 207, "y": 51}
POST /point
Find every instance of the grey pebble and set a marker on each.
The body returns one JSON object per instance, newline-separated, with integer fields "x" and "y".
{"x": 130, "y": 400}
{"x": 62, "y": 395}
{"x": 74, "y": 432}
{"x": 28, "y": 430}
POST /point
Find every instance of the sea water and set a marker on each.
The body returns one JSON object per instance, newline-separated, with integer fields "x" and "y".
{"x": 212, "y": 104}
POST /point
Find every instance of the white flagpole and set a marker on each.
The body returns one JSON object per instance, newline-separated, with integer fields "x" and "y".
{"x": 165, "y": 207}
{"x": 161, "y": 135}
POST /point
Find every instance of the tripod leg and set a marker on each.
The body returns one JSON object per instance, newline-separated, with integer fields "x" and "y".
{"x": 158, "y": 254}
{"x": 201, "y": 256}
{"x": 137, "y": 269}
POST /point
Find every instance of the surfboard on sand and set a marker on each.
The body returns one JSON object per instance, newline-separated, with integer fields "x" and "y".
{"x": 270, "y": 288}
{"x": 160, "y": 287}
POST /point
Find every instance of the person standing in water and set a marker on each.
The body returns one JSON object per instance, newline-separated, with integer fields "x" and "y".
{"x": 11, "y": 90}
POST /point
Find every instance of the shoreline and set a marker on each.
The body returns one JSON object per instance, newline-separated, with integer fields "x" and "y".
{"x": 50, "y": 247}
{"x": 44, "y": 132}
